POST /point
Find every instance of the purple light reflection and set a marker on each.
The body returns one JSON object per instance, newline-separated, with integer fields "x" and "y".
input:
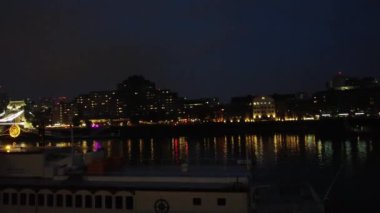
{"x": 96, "y": 146}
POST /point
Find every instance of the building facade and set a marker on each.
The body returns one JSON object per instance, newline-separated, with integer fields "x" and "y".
{"x": 263, "y": 108}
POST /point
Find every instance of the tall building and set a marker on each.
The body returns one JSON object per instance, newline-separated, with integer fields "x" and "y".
{"x": 167, "y": 105}
{"x": 100, "y": 105}
{"x": 144, "y": 102}
{"x": 139, "y": 97}
{"x": 63, "y": 111}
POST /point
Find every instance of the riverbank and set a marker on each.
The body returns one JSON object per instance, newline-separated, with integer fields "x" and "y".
{"x": 328, "y": 127}
{"x": 338, "y": 126}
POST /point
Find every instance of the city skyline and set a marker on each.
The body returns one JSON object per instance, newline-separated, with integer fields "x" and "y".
{"x": 198, "y": 49}
{"x": 328, "y": 85}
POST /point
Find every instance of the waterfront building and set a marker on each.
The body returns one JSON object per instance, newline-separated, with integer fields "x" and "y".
{"x": 240, "y": 109}
{"x": 202, "y": 110}
{"x": 145, "y": 103}
{"x": 100, "y": 105}
{"x": 167, "y": 106}
{"x": 350, "y": 103}
{"x": 290, "y": 107}
{"x": 139, "y": 96}
{"x": 63, "y": 111}
{"x": 342, "y": 82}
{"x": 263, "y": 108}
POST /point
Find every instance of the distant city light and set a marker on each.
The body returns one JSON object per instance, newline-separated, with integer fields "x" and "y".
{"x": 308, "y": 118}
{"x": 343, "y": 115}
{"x": 95, "y": 126}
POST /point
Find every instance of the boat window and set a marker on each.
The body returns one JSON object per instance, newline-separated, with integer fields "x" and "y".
{"x": 59, "y": 200}
{"x": 50, "y": 200}
{"x": 118, "y": 202}
{"x": 129, "y": 202}
{"x": 78, "y": 201}
{"x": 197, "y": 201}
{"x": 22, "y": 199}
{"x": 69, "y": 201}
{"x": 6, "y": 198}
{"x": 98, "y": 201}
{"x": 88, "y": 201}
{"x": 108, "y": 202}
{"x": 32, "y": 199}
{"x": 14, "y": 198}
{"x": 41, "y": 199}
{"x": 221, "y": 201}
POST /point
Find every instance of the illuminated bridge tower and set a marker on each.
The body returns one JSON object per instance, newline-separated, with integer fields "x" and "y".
{"x": 14, "y": 114}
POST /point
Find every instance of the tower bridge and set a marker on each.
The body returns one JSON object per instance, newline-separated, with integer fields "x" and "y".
{"x": 13, "y": 118}
{"x": 14, "y": 114}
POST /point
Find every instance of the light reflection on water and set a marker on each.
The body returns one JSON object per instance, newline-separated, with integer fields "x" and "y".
{"x": 263, "y": 151}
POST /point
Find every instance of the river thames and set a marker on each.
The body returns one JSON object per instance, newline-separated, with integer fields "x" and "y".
{"x": 346, "y": 170}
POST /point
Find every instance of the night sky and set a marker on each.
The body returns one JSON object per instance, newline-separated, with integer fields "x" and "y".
{"x": 196, "y": 48}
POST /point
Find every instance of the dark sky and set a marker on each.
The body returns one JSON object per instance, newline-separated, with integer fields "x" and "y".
{"x": 197, "y": 48}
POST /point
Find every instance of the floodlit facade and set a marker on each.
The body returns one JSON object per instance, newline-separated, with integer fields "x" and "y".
{"x": 263, "y": 108}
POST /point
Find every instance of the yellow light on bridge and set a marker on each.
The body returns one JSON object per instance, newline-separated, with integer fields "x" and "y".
{"x": 14, "y": 131}
{"x": 8, "y": 148}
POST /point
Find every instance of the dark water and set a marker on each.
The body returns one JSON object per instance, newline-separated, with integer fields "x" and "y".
{"x": 354, "y": 161}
